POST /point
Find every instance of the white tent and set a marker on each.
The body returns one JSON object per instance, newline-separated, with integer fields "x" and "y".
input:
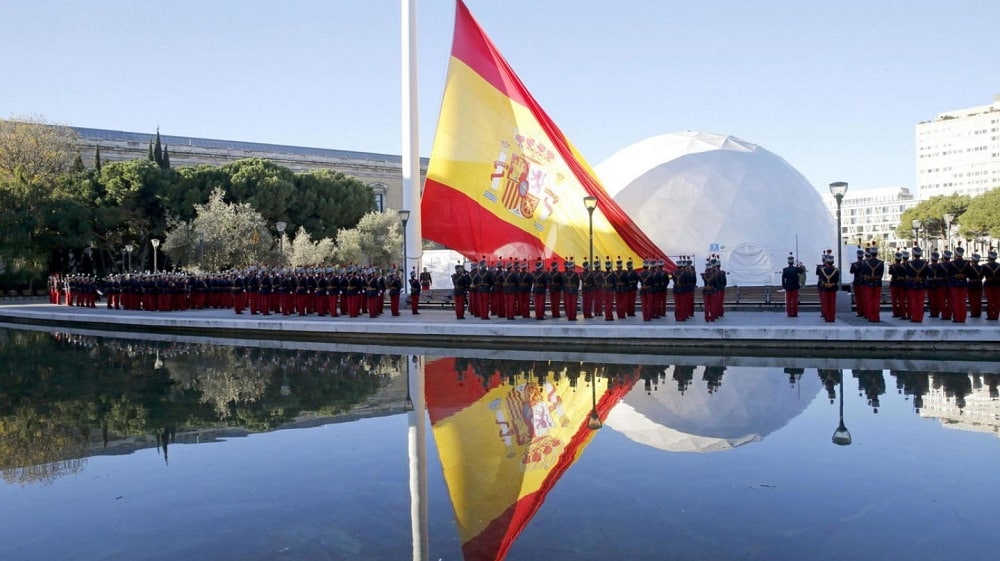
{"x": 750, "y": 404}
{"x": 696, "y": 193}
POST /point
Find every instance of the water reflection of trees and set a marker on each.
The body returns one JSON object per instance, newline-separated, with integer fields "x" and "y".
{"x": 62, "y": 396}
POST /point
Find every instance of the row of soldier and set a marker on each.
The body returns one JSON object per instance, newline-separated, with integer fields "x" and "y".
{"x": 349, "y": 291}
{"x": 951, "y": 286}
{"x": 947, "y": 286}
{"x": 507, "y": 289}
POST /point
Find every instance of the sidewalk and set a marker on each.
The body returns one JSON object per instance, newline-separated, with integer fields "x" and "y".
{"x": 738, "y": 333}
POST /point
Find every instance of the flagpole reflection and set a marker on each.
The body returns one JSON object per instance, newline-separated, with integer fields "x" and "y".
{"x": 417, "y": 447}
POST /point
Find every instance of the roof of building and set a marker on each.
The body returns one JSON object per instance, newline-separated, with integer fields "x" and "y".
{"x": 208, "y": 143}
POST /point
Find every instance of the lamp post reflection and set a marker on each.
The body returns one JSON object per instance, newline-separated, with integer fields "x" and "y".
{"x": 594, "y": 423}
{"x": 841, "y": 436}
{"x": 408, "y": 402}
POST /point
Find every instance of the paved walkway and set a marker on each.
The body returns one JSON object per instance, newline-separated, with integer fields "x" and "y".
{"x": 738, "y": 333}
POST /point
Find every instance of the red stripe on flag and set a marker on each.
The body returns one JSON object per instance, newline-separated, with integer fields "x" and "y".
{"x": 455, "y": 218}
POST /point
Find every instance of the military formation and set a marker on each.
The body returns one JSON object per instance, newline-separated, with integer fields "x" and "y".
{"x": 512, "y": 289}
{"x": 946, "y": 286}
{"x": 349, "y": 291}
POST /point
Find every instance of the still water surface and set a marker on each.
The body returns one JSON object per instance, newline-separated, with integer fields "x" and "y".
{"x": 174, "y": 448}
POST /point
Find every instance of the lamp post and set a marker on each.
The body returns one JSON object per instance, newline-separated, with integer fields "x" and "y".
{"x": 838, "y": 189}
{"x": 591, "y": 203}
{"x": 128, "y": 249}
{"x": 916, "y": 224}
{"x": 947, "y": 229}
{"x": 156, "y": 245}
{"x": 841, "y": 436}
{"x": 280, "y": 226}
{"x": 404, "y": 217}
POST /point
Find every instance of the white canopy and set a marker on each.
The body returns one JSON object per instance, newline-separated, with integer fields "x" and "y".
{"x": 696, "y": 193}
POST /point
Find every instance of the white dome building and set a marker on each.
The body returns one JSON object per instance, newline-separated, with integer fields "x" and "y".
{"x": 750, "y": 404}
{"x": 696, "y": 193}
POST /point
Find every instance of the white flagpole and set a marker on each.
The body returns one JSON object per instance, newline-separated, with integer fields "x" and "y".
{"x": 416, "y": 427}
{"x": 411, "y": 144}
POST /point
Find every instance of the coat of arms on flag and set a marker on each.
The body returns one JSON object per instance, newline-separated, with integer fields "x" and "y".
{"x": 520, "y": 174}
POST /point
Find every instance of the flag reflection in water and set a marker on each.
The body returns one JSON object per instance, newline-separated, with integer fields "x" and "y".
{"x": 506, "y": 432}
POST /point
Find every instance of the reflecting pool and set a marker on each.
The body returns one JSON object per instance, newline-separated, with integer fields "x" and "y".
{"x": 180, "y": 448}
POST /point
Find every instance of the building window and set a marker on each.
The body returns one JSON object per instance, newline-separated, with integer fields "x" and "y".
{"x": 379, "y": 191}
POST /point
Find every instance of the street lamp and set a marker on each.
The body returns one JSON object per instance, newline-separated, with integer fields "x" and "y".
{"x": 838, "y": 189}
{"x": 404, "y": 217}
{"x": 591, "y": 203}
{"x": 841, "y": 436}
{"x": 156, "y": 244}
{"x": 128, "y": 249}
{"x": 281, "y": 241}
{"x": 947, "y": 229}
{"x": 916, "y": 224}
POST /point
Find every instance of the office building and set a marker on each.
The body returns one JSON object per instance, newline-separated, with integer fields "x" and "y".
{"x": 958, "y": 152}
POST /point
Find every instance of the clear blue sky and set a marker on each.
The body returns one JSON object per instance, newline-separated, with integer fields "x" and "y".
{"x": 836, "y": 88}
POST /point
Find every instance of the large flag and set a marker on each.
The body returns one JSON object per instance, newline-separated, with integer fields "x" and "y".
{"x": 504, "y": 441}
{"x": 503, "y": 181}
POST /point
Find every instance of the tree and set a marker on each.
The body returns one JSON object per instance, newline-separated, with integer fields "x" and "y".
{"x": 349, "y": 246}
{"x": 221, "y": 236}
{"x": 77, "y": 165}
{"x": 326, "y": 201}
{"x": 97, "y": 157}
{"x": 267, "y": 186}
{"x": 34, "y": 149}
{"x": 982, "y": 218}
{"x": 158, "y": 150}
{"x": 931, "y": 215}
{"x": 377, "y": 240}
{"x": 305, "y": 252}
{"x": 133, "y": 192}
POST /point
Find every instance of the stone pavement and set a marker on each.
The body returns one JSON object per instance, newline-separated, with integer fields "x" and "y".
{"x": 768, "y": 333}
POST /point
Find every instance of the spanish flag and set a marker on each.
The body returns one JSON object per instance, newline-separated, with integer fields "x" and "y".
{"x": 503, "y": 181}
{"x": 505, "y": 436}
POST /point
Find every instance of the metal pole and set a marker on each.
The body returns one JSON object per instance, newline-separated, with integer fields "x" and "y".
{"x": 404, "y": 217}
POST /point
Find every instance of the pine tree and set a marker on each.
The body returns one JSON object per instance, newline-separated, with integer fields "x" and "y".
{"x": 150, "y": 155}
{"x": 166, "y": 158}
{"x": 77, "y": 163}
{"x": 97, "y": 158}
{"x": 158, "y": 150}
